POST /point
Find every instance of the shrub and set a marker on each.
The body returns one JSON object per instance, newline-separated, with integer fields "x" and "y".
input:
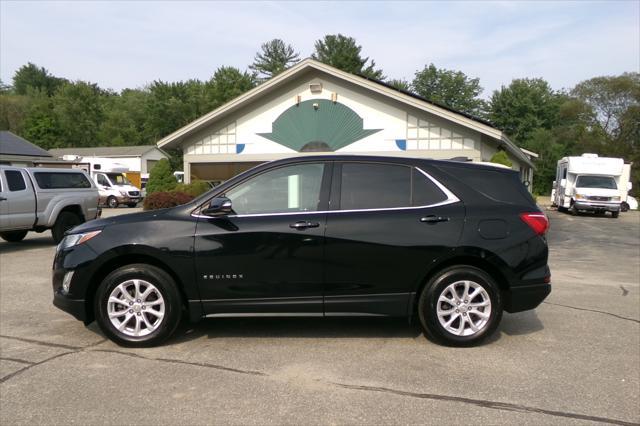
{"x": 194, "y": 188}
{"x": 501, "y": 157}
{"x": 161, "y": 178}
{"x": 163, "y": 200}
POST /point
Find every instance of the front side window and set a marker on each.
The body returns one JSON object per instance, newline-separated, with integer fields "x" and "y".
{"x": 15, "y": 180}
{"x": 57, "y": 180}
{"x": 374, "y": 186}
{"x": 287, "y": 189}
{"x": 118, "y": 179}
{"x": 102, "y": 180}
{"x": 603, "y": 182}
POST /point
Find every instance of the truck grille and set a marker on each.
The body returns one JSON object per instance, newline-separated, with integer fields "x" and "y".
{"x": 596, "y": 198}
{"x": 134, "y": 193}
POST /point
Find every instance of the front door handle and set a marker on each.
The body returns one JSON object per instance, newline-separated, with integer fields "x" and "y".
{"x": 434, "y": 219}
{"x": 2, "y": 199}
{"x": 304, "y": 225}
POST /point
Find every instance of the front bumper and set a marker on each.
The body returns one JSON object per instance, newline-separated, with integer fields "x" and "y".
{"x": 526, "y": 297}
{"x": 596, "y": 206}
{"x": 75, "y": 307}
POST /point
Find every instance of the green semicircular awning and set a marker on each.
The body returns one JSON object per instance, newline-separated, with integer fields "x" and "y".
{"x": 318, "y": 122}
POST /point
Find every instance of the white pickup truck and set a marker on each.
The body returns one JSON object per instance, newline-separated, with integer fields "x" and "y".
{"x": 37, "y": 199}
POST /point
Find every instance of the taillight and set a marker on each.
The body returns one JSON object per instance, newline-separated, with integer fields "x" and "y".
{"x": 538, "y": 222}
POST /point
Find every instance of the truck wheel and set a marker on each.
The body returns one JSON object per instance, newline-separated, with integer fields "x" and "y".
{"x": 64, "y": 222}
{"x": 13, "y": 236}
{"x": 460, "y": 306}
{"x": 112, "y": 202}
{"x": 615, "y": 214}
{"x": 138, "y": 305}
{"x": 624, "y": 206}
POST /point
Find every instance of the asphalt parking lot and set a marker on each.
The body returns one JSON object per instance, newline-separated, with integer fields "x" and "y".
{"x": 574, "y": 360}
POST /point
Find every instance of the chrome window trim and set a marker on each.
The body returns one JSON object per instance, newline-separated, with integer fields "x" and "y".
{"x": 451, "y": 198}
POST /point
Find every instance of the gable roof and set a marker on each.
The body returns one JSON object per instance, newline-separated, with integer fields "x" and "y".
{"x": 105, "y": 151}
{"x": 11, "y": 144}
{"x": 375, "y": 86}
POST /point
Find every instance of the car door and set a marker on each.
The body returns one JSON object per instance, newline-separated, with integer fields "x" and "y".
{"x": 20, "y": 200}
{"x": 266, "y": 257}
{"x": 388, "y": 223}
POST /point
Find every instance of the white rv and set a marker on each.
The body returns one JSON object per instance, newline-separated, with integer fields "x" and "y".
{"x": 113, "y": 185}
{"x": 591, "y": 183}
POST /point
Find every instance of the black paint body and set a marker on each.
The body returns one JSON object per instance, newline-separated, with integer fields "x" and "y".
{"x": 352, "y": 263}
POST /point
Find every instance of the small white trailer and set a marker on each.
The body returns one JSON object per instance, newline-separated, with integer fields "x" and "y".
{"x": 591, "y": 183}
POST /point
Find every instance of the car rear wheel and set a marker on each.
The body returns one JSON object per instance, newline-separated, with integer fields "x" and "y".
{"x": 13, "y": 236}
{"x": 460, "y": 306}
{"x": 138, "y": 305}
{"x": 64, "y": 222}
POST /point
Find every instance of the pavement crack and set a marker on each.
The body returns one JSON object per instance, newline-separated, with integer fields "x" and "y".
{"x": 177, "y": 361}
{"x": 594, "y": 310}
{"x": 40, "y": 342}
{"x": 19, "y": 361}
{"x": 495, "y": 405}
{"x": 624, "y": 291}
{"x": 22, "y": 370}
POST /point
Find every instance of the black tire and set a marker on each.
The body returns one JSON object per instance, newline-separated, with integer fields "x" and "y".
{"x": 64, "y": 222}
{"x": 167, "y": 289}
{"x": 428, "y": 302}
{"x": 132, "y": 204}
{"x": 112, "y": 202}
{"x": 624, "y": 206}
{"x": 562, "y": 209}
{"x": 615, "y": 214}
{"x": 13, "y": 236}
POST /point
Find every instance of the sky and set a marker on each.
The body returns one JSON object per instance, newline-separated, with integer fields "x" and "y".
{"x": 129, "y": 44}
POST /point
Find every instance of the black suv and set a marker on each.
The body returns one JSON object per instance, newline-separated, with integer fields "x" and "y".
{"x": 454, "y": 243}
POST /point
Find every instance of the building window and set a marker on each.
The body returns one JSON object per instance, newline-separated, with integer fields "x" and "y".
{"x": 223, "y": 141}
{"x": 424, "y": 135}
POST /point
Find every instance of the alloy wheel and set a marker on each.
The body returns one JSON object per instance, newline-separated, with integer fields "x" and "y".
{"x": 464, "y": 308}
{"x": 136, "y": 308}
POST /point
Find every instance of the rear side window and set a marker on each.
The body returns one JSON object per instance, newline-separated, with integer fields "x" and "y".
{"x": 61, "y": 180}
{"x": 424, "y": 192}
{"x": 496, "y": 185}
{"x": 374, "y": 186}
{"x": 15, "y": 180}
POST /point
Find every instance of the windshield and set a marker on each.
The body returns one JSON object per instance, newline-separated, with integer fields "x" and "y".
{"x": 118, "y": 179}
{"x": 604, "y": 182}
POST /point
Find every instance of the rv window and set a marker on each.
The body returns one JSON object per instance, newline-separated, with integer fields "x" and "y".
{"x": 102, "y": 180}
{"x": 118, "y": 179}
{"x": 604, "y": 182}
{"x": 564, "y": 174}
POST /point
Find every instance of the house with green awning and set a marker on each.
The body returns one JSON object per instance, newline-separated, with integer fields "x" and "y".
{"x": 315, "y": 108}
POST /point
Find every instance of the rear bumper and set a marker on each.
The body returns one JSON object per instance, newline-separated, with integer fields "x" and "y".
{"x": 524, "y": 298}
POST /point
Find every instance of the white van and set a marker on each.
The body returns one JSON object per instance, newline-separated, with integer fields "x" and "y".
{"x": 590, "y": 183}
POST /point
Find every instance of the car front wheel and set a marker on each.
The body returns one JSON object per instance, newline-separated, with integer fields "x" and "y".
{"x": 138, "y": 305}
{"x": 460, "y": 306}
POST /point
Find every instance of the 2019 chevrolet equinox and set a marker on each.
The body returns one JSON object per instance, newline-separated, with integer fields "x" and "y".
{"x": 455, "y": 243}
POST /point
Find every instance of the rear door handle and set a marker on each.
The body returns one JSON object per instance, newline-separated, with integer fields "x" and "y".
{"x": 434, "y": 219}
{"x": 304, "y": 225}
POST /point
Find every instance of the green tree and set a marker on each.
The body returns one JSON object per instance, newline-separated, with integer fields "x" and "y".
{"x": 523, "y": 106}
{"x": 275, "y": 57}
{"x": 32, "y": 76}
{"x": 448, "y": 87}
{"x": 13, "y": 111}
{"x": 400, "y": 84}
{"x": 124, "y": 118}
{"x": 228, "y": 83}
{"x": 40, "y": 124}
{"x": 161, "y": 178}
{"x": 344, "y": 53}
{"x": 78, "y": 110}
{"x": 501, "y": 157}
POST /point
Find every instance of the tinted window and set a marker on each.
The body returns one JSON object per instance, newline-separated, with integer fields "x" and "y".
{"x": 56, "y": 180}
{"x": 287, "y": 189}
{"x": 102, "y": 180}
{"x": 496, "y": 185}
{"x": 15, "y": 181}
{"x": 374, "y": 186}
{"x": 425, "y": 192}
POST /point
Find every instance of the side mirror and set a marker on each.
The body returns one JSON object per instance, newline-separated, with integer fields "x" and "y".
{"x": 218, "y": 207}
{"x": 563, "y": 183}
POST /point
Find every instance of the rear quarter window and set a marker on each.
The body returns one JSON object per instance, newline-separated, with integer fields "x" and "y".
{"x": 61, "y": 180}
{"x": 15, "y": 180}
{"x": 504, "y": 187}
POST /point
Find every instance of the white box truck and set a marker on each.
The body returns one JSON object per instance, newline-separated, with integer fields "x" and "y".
{"x": 109, "y": 176}
{"x": 591, "y": 183}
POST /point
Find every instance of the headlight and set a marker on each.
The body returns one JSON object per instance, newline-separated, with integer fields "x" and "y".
{"x": 615, "y": 198}
{"x": 123, "y": 193}
{"x": 581, "y": 197}
{"x": 76, "y": 239}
